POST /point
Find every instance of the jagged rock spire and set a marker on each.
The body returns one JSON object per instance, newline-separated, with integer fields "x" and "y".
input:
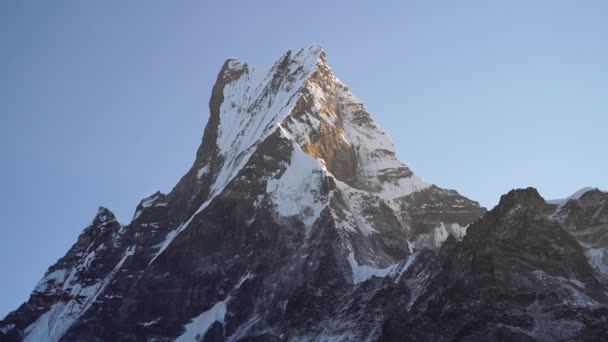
{"x": 103, "y": 216}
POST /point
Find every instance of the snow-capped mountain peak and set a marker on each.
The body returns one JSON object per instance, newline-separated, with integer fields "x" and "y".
{"x": 293, "y": 183}
{"x": 330, "y": 135}
{"x": 301, "y": 98}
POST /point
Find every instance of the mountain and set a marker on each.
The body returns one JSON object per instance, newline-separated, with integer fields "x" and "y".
{"x": 518, "y": 275}
{"x": 293, "y": 185}
{"x": 585, "y": 216}
{"x": 297, "y": 222}
{"x": 574, "y": 196}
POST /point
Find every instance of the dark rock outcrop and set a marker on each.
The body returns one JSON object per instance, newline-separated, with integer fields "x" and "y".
{"x": 517, "y": 275}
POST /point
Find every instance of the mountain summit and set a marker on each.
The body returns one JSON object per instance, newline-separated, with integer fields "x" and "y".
{"x": 295, "y": 222}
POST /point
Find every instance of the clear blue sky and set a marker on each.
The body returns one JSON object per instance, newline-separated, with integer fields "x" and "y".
{"x": 103, "y": 103}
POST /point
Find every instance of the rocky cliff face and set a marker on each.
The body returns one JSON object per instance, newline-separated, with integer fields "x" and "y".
{"x": 298, "y": 222}
{"x": 585, "y": 216}
{"x": 518, "y": 275}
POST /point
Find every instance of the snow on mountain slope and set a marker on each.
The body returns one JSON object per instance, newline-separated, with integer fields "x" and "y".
{"x": 254, "y": 104}
{"x": 80, "y": 279}
{"x": 379, "y": 168}
{"x": 55, "y": 322}
{"x": 327, "y": 108}
{"x": 297, "y": 191}
{"x": 201, "y": 323}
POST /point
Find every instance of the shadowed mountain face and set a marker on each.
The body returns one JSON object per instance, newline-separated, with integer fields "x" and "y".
{"x": 518, "y": 275}
{"x": 297, "y": 222}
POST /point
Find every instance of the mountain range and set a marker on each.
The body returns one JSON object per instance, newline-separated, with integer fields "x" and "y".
{"x": 297, "y": 222}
